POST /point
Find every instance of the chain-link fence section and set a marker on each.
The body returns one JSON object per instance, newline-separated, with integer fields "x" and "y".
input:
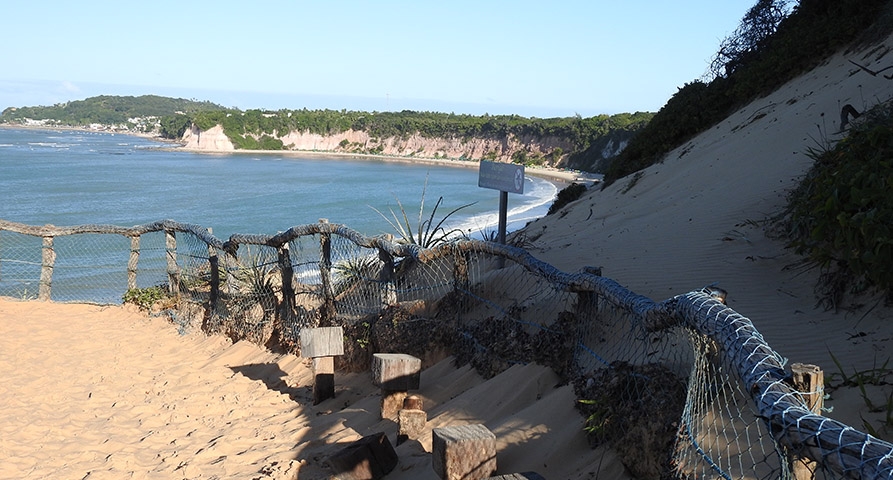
{"x": 685, "y": 388}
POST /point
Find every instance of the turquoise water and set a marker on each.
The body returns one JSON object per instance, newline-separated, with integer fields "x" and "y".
{"x": 68, "y": 178}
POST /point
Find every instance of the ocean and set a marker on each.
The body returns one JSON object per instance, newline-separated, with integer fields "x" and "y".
{"x": 66, "y": 177}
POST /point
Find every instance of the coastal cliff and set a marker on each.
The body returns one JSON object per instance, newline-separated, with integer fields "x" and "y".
{"x": 548, "y": 151}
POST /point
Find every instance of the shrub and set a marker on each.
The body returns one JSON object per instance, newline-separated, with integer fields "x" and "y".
{"x": 567, "y": 195}
{"x": 145, "y": 298}
{"x": 841, "y": 215}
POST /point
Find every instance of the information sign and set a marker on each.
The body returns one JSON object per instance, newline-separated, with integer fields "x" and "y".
{"x": 505, "y": 177}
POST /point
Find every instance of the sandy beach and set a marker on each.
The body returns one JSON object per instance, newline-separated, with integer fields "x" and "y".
{"x": 553, "y": 174}
{"x": 108, "y": 392}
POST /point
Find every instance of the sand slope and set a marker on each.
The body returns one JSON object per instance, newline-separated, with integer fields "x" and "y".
{"x": 93, "y": 392}
{"x": 694, "y": 220}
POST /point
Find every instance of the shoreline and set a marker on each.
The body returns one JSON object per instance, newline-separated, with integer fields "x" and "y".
{"x": 554, "y": 175}
{"x": 560, "y": 177}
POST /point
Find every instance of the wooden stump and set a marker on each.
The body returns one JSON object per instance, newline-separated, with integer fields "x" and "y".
{"x": 321, "y": 345}
{"x": 518, "y": 476}
{"x": 369, "y": 458}
{"x": 411, "y": 420}
{"x": 463, "y": 452}
{"x": 395, "y": 373}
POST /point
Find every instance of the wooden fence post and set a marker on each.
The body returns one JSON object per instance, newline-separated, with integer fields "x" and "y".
{"x": 47, "y": 263}
{"x": 327, "y": 313}
{"x": 231, "y": 264}
{"x": 460, "y": 271}
{"x": 461, "y": 283}
{"x": 386, "y": 277}
{"x": 809, "y": 380}
{"x": 133, "y": 262}
{"x": 173, "y": 274}
{"x": 214, "y": 287}
{"x": 288, "y": 288}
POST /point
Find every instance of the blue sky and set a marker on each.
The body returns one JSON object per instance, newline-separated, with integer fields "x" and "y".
{"x": 531, "y": 58}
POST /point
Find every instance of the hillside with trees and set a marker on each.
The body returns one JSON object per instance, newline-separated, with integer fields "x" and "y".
{"x": 109, "y": 110}
{"x": 775, "y": 41}
{"x": 584, "y": 141}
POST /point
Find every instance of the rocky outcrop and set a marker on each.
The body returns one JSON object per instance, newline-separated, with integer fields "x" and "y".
{"x": 474, "y": 148}
{"x": 212, "y": 140}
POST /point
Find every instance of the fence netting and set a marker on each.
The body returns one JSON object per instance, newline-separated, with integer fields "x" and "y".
{"x": 684, "y": 388}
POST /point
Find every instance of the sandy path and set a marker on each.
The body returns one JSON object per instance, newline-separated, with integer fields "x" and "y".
{"x": 106, "y": 392}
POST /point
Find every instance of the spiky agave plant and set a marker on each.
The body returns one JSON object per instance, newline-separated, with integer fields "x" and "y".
{"x": 352, "y": 271}
{"x": 427, "y": 233}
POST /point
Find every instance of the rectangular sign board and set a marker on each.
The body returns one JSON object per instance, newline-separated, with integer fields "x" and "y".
{"x": 505, "y": 177}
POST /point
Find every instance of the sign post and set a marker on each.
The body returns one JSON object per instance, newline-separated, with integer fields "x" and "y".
{"x": 507, "y": 178}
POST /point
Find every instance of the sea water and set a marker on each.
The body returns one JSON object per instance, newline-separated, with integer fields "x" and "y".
{"x": 66, "y": 178}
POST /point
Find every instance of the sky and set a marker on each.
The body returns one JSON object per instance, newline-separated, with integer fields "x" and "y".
{"x": 531, "y": 58}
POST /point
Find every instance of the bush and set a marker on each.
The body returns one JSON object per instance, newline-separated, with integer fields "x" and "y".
{"x": 567, "y": 195}
{"x": 145, "y": 298}
{"x": 841, "y": 215}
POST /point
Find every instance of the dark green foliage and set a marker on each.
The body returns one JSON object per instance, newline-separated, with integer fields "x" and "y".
{"x": 694, "y": 108}
{"x": 108, "y": 110}
{"x": 758, "y": 24}
{"x": 567, "y": 195}
{"x": 815, "y": 30}
{"x": 841, "y": 215}
{"x": 174, "y": 126}
{"x": 265, "y": 142}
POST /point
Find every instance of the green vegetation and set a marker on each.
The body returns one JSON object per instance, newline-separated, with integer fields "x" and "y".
{"x": 567, "y": 195}
{"x": 113, "y": 110}
{"x": 876, "y": 377}
{"x": 145, "y": 298}
{"x": 406, "y": 123}
{"x": 427, "y": 233}
{"x": 841, "y": 215}
{"x": 757, "y": 65}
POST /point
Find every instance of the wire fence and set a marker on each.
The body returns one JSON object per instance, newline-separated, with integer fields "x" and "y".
{"x": 683, "y": 388}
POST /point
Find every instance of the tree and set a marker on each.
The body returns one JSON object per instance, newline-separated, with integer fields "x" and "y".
{"x": 173, "y": 126}
{"x": 758, "y": 24}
